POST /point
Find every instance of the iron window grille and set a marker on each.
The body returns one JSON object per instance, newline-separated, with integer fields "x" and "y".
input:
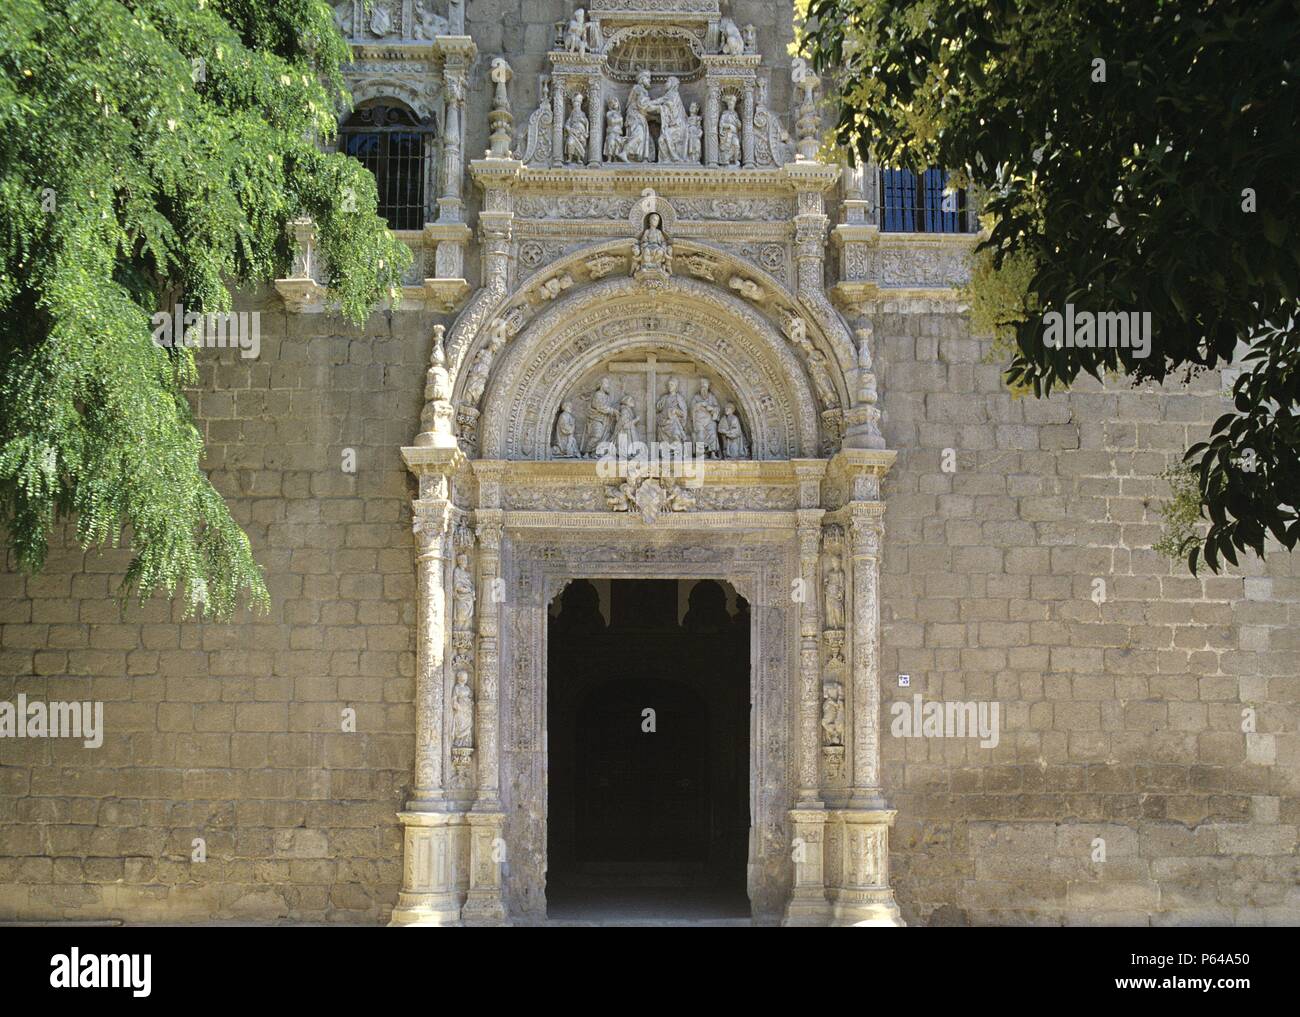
{"x": 911, "y": 206}
{"x": 395, "y": 146}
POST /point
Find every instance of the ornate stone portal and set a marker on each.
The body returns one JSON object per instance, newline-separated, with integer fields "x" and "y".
{"x": 657, "y": 274}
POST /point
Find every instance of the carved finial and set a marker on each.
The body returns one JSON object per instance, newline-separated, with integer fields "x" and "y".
{"x": 501, "y": 120}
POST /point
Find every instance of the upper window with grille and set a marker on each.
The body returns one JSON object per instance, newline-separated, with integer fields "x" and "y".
{"x": 395, "y": 146}
{"x": 911, "y": 204}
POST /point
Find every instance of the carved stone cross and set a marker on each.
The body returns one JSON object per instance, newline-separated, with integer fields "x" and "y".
{"x": 651, "y": 368}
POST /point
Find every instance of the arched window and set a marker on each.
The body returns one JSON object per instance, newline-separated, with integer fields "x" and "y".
{"x": 912, "y": 205}
{"x": 394, "y": 145}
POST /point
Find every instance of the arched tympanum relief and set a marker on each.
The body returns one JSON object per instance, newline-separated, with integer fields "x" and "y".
{"x": 695, "y": 261}
{"x": 613, "y": 327}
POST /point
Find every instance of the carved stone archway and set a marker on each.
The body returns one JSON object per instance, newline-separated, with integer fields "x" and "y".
{"x": 712, "y": 269}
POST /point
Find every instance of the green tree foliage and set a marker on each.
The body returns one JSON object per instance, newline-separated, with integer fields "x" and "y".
{"x": 155, "y": 146}
{"x": 1138, "y": 155}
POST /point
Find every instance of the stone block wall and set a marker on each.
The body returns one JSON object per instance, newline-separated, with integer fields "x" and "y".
{"x": 1121, "y": 720}
{"x": 234, "y": 732}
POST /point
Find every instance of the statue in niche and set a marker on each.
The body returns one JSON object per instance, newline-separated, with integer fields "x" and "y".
{"x": 602, "y": 414}
{"x": 733, "y": 43}
{"x": 705, "y": 412}
{"x": 833, "y": 593}
{"x": 833, "y": 714}
{"x": 462, "y": 595}
{"x": 673, "y": 138}
{"x": 694, "y": 134}
{"x": 652, "y": 253}
{"x": 670, "y": 415}
{"x": 428, "y": 24}
{"x": 575, "y": 37}
{"x": 462, "y": 712}
{"x": 566, "y": 433}
{"x": 626, "y": 431}
{"x": 729, "y": 134}
{"x": 732, "y": 434}
{"x": 822, "y": 379}
{"x": 639, "y": 145}
{"x": 613, "y": 131}
{"x": 481, "y": 369}
{"x": 576, "y": 131}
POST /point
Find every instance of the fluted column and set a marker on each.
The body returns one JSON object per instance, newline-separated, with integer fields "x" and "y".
{"x": 712, "y": 109}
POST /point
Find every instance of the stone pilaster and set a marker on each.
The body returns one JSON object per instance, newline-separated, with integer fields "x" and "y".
{"x": 596, "y": 120}
{"x": 747, "y": 125}
{"x": 457, "y": 53}
{"x": 558, "y": 88}
{"x": 859, "y": 831}
{"x": 435, "y": 846}
{"x": 712, "y": 110}
{"x": 808, "y": 902}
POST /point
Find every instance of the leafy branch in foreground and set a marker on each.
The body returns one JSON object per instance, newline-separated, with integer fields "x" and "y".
{"x": 155, "y": 146}
{"x": 1138, "y": 156}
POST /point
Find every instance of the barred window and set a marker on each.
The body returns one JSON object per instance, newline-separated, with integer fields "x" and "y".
{"x": 393, "y": 144}
{"x": 911, "y": 206}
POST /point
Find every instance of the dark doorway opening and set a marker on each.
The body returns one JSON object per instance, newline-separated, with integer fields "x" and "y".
{"x": 648, "y": 721}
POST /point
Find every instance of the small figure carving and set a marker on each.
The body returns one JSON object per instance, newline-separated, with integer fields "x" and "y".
{"x": 462, "y": 593}
{"x": 733, "y": 43}
{"x": 555, "y": 285}
{"x": 729, "y": 134}
{"x": 822, "y": 379}
{"x": 670, "y": 415}
{"x": 833, "y": 593}
{"x": 833, "y": 714}
{"x": 566, "y": 433}
{"x": 733, "y": 435}
{"x": 576, "y": 132}
{"x": 694, "y": 134}
{"x": 639, "y": 145}
{"x": 746, "y": 288}
{"x": 652, "y": 254}
{"x": 626, "y": 431}
{"x": 674, "y": 145}
{"x": 701, "y": 266}
{"x": 481, "y": 369}
{"x": 601, "y": 416}
{"x": 462, "y": 712}
{"x": 798, "y": 332}
{"x": 705, "y": 412}
{"x": 750, "y": 35}
{"x": 428, "y": 23}
{"x": 603, "y": 264}
{"x": 575, "y": 38}
{"x": 614, "y": 140}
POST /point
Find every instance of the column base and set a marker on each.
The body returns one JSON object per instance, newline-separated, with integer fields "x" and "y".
{"x": 484, "y": 905}
{"x": 866, "y": 908}
{"x": 424, "y": 909}
{"x": 434, "y": 856}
